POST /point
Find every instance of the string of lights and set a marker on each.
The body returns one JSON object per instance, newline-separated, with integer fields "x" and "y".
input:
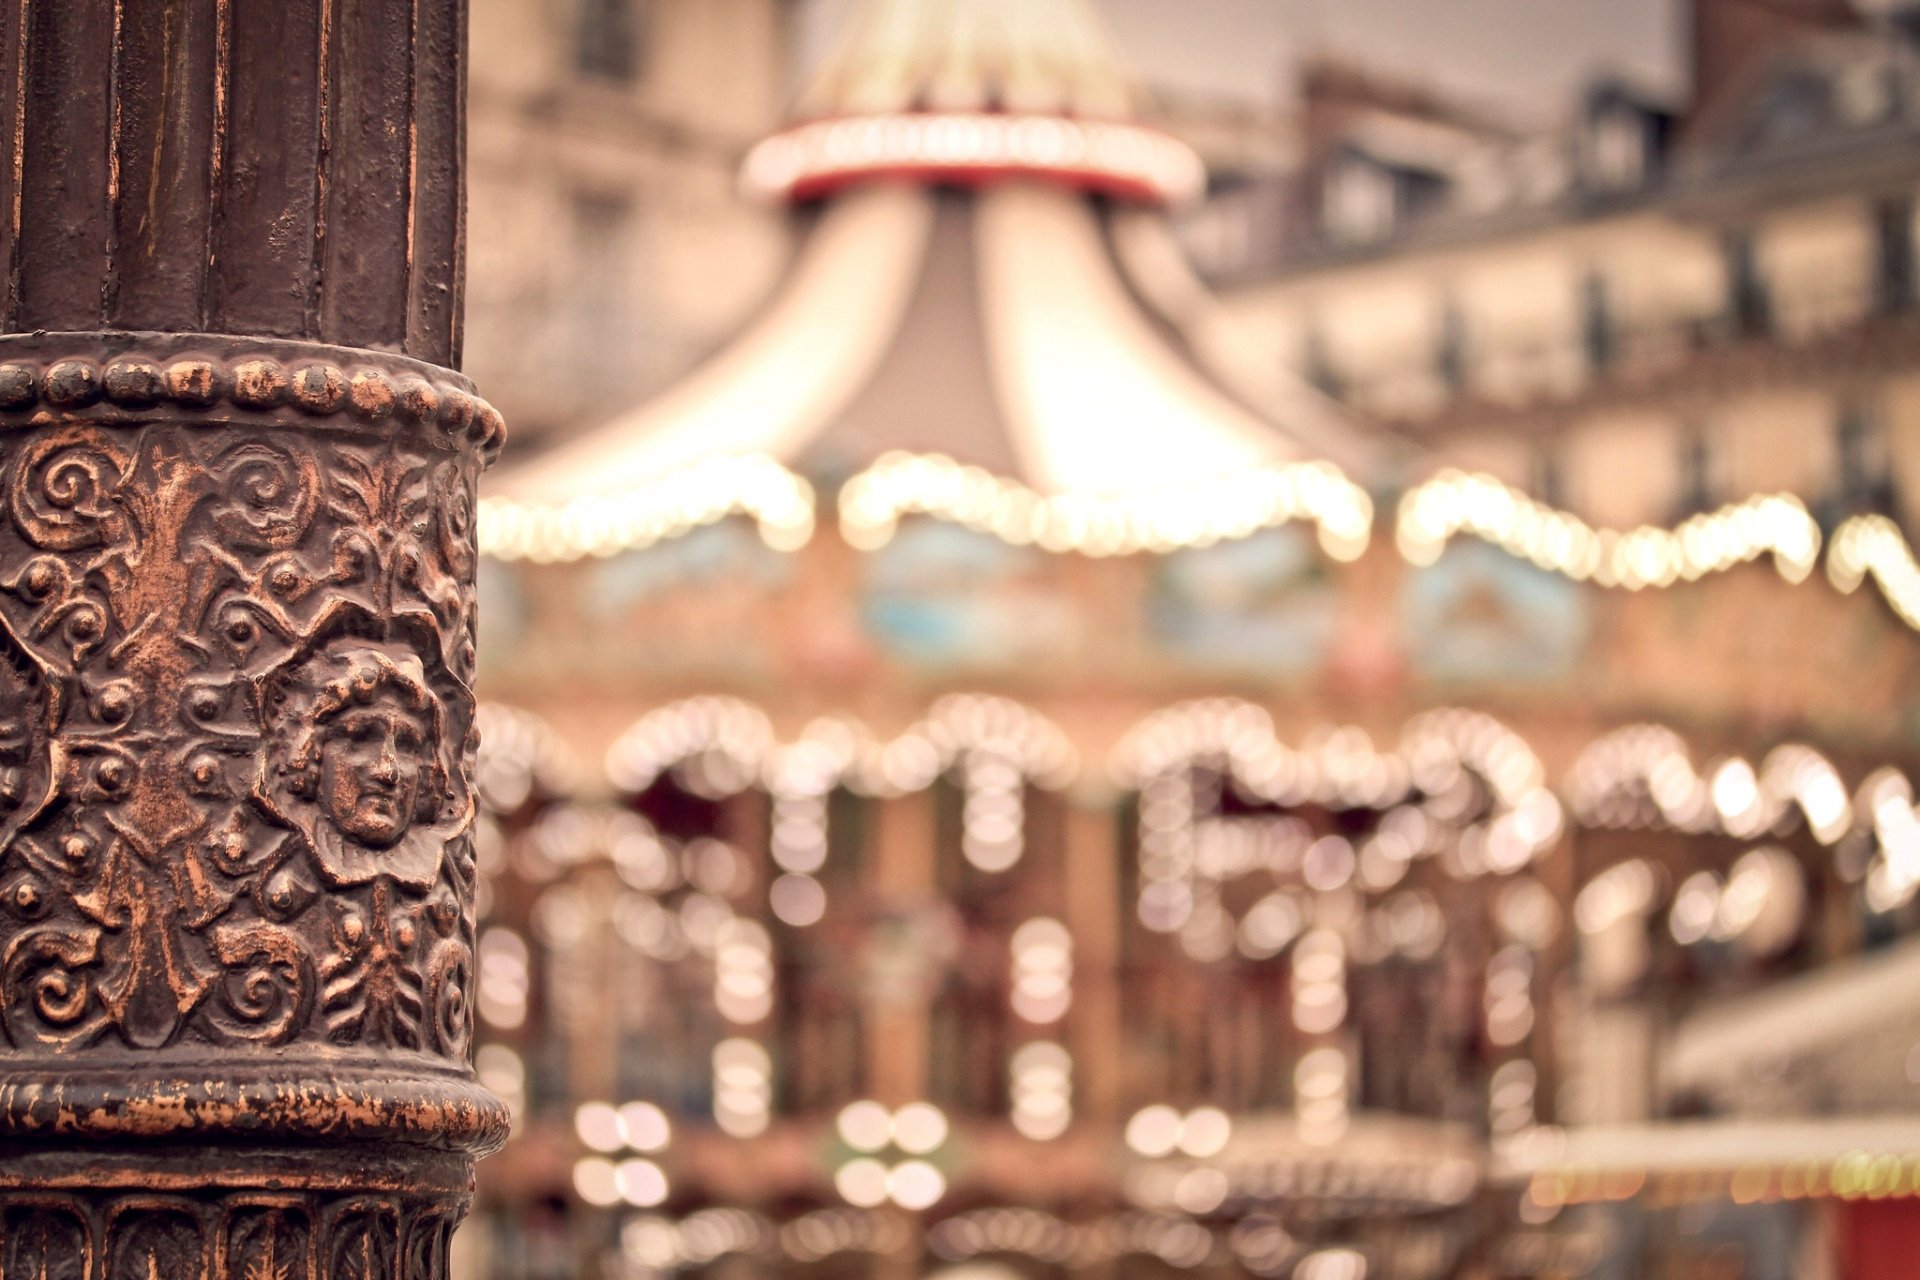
{"x": 1873, "y": 546}
{"x": 1341, "y": 767}
{"x": 700, "y": 493}
{"x": 1431, "y": 515}
{"x": 1643, "y": 775}
{"x": 519, "y": 754}
{"x": 1456, "y": 502}
{"x": 1638, "y": 775}
{"x": 1559, "y": 1174}
{"x": 661, "y": 1243}
{"x": 897, "y": 484}
{"x": 720, "y": 746}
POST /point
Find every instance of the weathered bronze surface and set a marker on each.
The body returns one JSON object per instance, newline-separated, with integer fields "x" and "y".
{"x": 236, "y": 642}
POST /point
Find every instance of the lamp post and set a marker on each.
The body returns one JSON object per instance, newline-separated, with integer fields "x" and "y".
{"x": 236, "y": 641}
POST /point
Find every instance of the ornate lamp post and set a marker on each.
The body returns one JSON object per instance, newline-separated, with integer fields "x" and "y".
{"x": 236, "y": 641}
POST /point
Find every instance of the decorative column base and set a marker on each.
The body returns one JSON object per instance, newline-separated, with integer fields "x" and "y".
{"x": 270, "y": 1213}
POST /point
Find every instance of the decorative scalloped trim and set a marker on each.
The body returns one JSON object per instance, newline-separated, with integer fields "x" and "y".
{"x": 1114, "y": 157}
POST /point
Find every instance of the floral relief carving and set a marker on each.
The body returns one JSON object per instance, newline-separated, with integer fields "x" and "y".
{"x": 235, "y": 736}
{"x": 252, "y": 1236}
{"x": 45, "y": 1237}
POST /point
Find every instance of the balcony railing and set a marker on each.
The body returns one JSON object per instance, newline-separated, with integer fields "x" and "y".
{"x": 1413, "y": 382}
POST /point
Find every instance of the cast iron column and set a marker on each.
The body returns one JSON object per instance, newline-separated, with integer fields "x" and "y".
{"x": 236, "y": 642}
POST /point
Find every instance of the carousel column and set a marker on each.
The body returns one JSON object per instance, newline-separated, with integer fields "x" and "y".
{"x": 236, "y": 607}
{"x": 1097, "y": 918}
{"x": 899, "y": 1040}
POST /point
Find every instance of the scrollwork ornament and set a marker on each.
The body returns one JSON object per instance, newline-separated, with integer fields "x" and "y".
{"x": 457, "y": 530}
{"x": 47, "y": 980}
{"x": 265, "y": 496}
{"x": 66, "y": 491}
{"x": 267, "y": 990}
{"x": 449, "y": 980}
{"x": 27, "y": 766}
{"x": 256, "y": 647}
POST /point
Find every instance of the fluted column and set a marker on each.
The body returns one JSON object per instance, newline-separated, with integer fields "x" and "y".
{"x": 236, "y": 642}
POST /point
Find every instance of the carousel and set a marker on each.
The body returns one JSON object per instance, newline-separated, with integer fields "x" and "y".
{"x": 989, "y": 775}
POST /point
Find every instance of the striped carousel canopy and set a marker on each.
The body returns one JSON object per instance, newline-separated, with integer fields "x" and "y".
{"x": 986, "y": 319}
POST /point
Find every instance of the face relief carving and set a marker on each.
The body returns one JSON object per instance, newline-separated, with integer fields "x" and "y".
{"x": 364, "y": 778}
{"x": 370, "y": 766}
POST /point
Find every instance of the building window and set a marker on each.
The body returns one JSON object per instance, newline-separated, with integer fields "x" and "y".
{"x": 604, "y": 318}
{"x": 609, "y": 39}
{"x": 600, "y": 226}
{"x": 1792, "y": 110}
{"x": 1548, "y": 480}
{"x": 1863, "y": 480}
{"x": 1894, "y": 249}
{"x": 1451, "y": 359}
{"x": 1749, "y": 308}
{"x": 1317, "y": 363}
{"x": 1596, "y": 322}
{"x": 1701, "y": 482}
{"x": 1359, "y": 203}
{"x": 1220, "y": 235}
{"x": 1617, "y": 150}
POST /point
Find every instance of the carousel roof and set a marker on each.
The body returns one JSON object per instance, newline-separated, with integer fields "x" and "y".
{"x": 986, "y": 318}
{"x": 1051, "y": 58}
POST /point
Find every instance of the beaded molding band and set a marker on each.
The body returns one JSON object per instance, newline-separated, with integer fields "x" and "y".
{"x": 40, "y": 381}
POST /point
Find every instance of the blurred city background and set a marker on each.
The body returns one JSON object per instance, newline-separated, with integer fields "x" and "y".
{"x": 1221, "y": 640}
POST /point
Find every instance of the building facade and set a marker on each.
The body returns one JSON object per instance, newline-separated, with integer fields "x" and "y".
{"x": 609, "y": 248}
